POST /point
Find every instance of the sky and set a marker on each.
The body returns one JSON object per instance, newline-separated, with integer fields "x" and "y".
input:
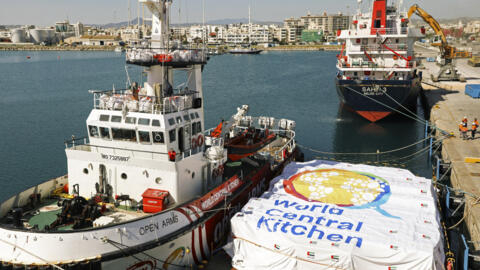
{"x": 47, "y": 12}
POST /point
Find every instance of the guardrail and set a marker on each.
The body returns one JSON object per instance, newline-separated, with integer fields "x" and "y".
{"x": 166, "y": 56}
{"x": 381, "y": 31}
{"x": 118, "y": 100}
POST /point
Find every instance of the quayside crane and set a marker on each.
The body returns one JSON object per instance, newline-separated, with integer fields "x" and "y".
{"x": 448, "y": 70}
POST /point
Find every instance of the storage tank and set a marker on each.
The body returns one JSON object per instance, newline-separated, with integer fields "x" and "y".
{"x": 18, "y": 35}
{"x": 39, "y": 36}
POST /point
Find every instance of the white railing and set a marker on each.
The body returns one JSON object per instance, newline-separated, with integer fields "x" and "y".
{"x": 124, "y": 99}
{"x": 149, "y": 55}
{"x": 382, "y": 31}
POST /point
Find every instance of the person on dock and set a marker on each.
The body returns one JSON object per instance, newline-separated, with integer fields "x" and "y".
{"x": 463, "y": 130}
{"x": 474, "y": 128}
{"x": 465, "y": 122}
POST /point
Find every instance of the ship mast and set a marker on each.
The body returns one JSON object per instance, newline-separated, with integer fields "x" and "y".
{"x": 159, "y": 74}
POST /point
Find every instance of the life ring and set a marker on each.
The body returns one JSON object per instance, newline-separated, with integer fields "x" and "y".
{"x": 158, "y": 137}
{"x": 93, "y": 131}
{"x": 200, "y": 141}
{"x": 194, "y": 143}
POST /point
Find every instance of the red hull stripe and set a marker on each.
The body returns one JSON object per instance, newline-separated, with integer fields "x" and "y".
{"x": 200, "y": 229}
{"x": 194, "y": 252}
{"x": 373, "y": 116}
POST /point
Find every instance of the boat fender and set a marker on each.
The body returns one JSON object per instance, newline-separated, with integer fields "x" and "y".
{"x": 200, "y": 141}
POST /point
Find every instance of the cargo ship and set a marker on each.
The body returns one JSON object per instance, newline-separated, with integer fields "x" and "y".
{"x": 377, "y": 71}
{"x": 148, "y": 187}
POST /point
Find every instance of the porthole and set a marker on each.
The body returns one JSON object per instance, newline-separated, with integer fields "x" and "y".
{"x": 85, "y": 171}
{"x": 158, "y": 180}
{"x": 124, "y": 176}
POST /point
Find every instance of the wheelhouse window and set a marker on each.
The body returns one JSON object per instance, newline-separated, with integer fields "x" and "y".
{"x": 156, "y": 123}
{"x": 179, "y": 120}
{"x": 144, "y": 137}
{"x": 196, "y": 127}
{"x": 196, "y": 114}
{"x": 105, "y": 133}
{"x": 130, "y": 120}
{"x": 171, "y": 121}
{"x": 192, "y": 116}
{"x": 144, "y": 121}
{"x": 124, "y": 134}
{"x": 172, "y": 135}
{"x": 116, "y": 119}
{"x": 104, "y": 117}
{"x": 186, "y": 117}
{"x": 93, "y": 130}
{"x": 158, "y": 137}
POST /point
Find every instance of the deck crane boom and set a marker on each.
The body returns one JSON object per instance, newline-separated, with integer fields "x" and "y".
{"x": 447, "y": 71}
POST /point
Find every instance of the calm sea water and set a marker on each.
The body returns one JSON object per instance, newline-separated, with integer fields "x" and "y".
{"x": 45, "y": 100}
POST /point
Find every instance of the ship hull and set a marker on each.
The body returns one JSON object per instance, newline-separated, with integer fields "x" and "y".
{"x": 376, "y": 99}
{"x": 246, "y": 52}
{"x": 183, "y": 237}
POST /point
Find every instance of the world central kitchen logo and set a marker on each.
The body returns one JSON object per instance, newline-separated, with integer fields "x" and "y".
{"x": 329, "y": 192}
{"x": 355, "y": 190}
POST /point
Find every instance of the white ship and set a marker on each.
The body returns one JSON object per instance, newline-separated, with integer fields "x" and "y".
{"x": 377, "y": 71}
{"x": 148, "y": 188}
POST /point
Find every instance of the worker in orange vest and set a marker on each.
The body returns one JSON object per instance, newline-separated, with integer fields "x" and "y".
{"x": 465, "y": 121}
{"x": 463, "y": 130}
{"x": 474, "y": 128}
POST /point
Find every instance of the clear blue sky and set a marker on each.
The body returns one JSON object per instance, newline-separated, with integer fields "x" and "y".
{"x": 47, "y": 12}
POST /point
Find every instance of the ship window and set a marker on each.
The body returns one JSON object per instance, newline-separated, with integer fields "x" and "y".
{"x": 196, "y": 127}
{"x": 192, "y": 116}
{"x": 104, "y": 117}
{"x": 93, "y": 131}
{"x": 105, "y": 133}
{"x": 171, "y": 135}
{"x": 144, "y": 121}
{"x": 179, "y": 119}
{"x": 116, "y": 119}
{"x": 158, "y": 137}
{"x": 124, "y": 176}
{"x": 144, "y": 136}
{"x": 186, "y": 117}
{"x": 130, "y": 120}
{"x": 156, "y": 123}
{"x": 196, "y": 114}
{"x": 396, "y": 40}
{"x": 124, "y": 134}
{"x": 171, "y": 121}
{"x": 355, "y": 73}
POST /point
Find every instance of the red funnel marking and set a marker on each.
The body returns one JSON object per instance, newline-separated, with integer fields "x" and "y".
{"x": 373, "y": 116}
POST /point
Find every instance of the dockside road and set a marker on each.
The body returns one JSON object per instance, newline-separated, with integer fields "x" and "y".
{"x": 449, "y": 104}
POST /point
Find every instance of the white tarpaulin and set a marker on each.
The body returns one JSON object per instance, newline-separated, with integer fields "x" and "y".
{"x": 328, "y": 215}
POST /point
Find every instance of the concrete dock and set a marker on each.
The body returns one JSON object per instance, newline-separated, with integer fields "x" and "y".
{"x": 449, "y": 104}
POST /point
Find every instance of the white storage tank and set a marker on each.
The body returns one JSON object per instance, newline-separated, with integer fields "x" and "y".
{"x": 45, "y": 35}
{"x": 19, "y": 35}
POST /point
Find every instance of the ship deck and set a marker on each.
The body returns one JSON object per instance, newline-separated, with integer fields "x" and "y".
{"x": 42, "y": 216}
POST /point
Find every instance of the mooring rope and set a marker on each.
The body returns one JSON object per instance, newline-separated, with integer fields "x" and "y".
{"x": 31, "y": 254}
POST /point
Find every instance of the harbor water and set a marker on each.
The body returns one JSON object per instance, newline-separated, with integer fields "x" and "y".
{"x": 45, "y": 101}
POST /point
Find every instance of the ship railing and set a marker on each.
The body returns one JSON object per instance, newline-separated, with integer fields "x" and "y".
{"x": 378, "y": 47}
{"x": 146, "y": 54}
{"x": 119, "y": 100}
{"x": 381, "y": 31}
{"x": 84, "y": 145}
{"x": 74, "y": 142}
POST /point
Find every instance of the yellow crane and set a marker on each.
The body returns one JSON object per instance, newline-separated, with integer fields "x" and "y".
{"x": 448, "y": 71}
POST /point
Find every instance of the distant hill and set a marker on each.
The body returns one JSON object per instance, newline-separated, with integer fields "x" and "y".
{"x": 211, "y": 22}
